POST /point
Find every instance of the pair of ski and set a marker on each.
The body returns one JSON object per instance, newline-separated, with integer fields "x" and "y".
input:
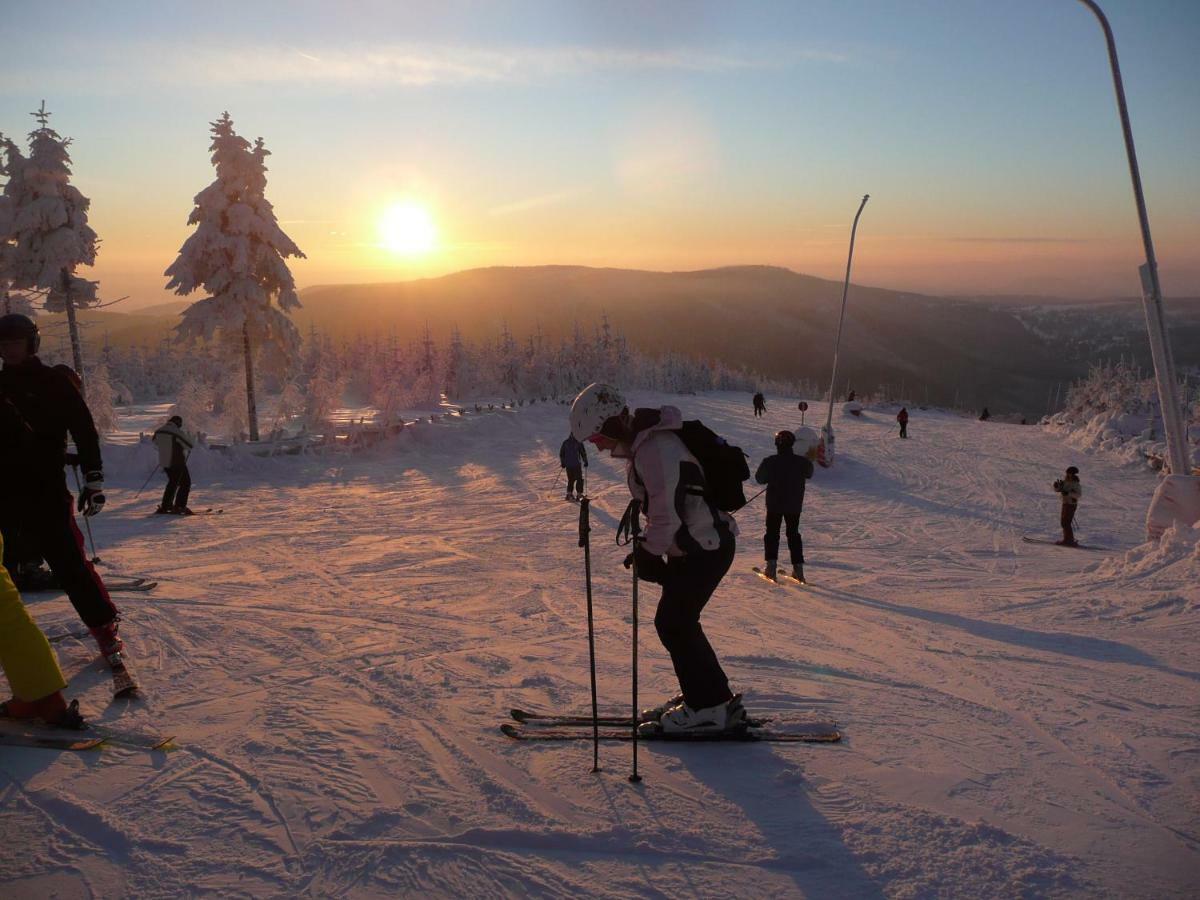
{"x": 1033, "y": 540}
{"x": 780, "y": 576}
{"x": 195, "y": 512}
{"x": 91, "y": 736}
{"x": 535, "y": 726}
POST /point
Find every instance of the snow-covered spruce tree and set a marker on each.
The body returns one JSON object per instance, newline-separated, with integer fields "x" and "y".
{"x": 236, "y": 255}
{"x": 45, "y": 227}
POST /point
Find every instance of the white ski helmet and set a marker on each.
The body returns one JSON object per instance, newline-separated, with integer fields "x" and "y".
{"x": 596, "y": 404}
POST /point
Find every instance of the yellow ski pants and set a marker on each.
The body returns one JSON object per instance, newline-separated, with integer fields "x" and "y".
{"x": 25, "y": 654}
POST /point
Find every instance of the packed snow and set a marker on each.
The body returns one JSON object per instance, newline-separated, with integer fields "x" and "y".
{"x": 336, "y": 651}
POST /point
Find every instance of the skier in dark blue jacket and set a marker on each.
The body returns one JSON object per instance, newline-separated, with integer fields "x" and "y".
{"x": 784, "y": 474}
{"x": 573, "y": 457}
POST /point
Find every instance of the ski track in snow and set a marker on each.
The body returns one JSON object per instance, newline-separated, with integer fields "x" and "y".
{"x": 336, "y": 651}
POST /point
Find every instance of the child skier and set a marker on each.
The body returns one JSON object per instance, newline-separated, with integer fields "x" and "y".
{"x": 697, "y": 539}
{"x": 174, "y": 445}
{"x": 34, "y": 500}
{"x": 572, "y": 456}
{"x": 1071, "y": 491}
{"x": 785, "y": 475}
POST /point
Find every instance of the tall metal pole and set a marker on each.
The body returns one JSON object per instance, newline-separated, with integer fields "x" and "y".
{"x": 585, "y": 529}
{"x": 827, "y": 431}
{"x": 1160, "y": 344}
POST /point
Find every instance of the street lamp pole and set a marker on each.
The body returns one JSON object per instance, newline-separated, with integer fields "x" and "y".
{"x": 825, "y": 454}
{"x": 1184, "y": 505}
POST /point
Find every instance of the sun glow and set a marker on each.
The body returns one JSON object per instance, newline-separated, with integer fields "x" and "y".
{"x": 407, "y": 229}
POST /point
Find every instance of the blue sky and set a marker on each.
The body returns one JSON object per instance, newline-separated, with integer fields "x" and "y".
{"x": 662, "y": 136}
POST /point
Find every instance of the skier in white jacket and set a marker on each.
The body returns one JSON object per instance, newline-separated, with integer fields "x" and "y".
{"x": 174, "y": 445}
{"x": 697, "y": 539}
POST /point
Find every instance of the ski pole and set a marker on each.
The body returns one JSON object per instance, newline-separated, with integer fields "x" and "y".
{"x": 635, "y": 531}
{"x": 86, "y": 523}
{"x": 756, "y": 496}
{"x": 556, "y": 477}
{"x": 146, "y": 482}
{"x": 585, "y": 528}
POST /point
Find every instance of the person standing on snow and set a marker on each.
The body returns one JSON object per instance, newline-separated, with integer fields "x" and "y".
{"x": 697, "y": 539}
{"x": 785, "y": 475}
{"x": 572, "y": 456}
{"x": 902, "y": 418}
{"x": 760, "y": 404}
{"x": 174, "y": 445}
{"x": 1071, "y": 491}
{"x": 35, "y": 502}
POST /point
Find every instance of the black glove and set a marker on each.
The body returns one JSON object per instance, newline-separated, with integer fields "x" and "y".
{"x": 1058, "y": 485}
{"x": 91, "y": 498}
{"x": 650, "y": 567}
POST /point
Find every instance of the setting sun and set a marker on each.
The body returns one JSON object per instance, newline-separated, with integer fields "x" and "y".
{"x": 407, "y": 229}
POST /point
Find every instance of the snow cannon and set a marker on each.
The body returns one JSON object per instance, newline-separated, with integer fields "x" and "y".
{"x": 852, "y": 408}
{"x": 825, "y": 448}
{"x": 807, "y": 443}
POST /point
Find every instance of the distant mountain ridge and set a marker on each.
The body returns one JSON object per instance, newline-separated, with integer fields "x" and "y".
{"x": 1003, "y": 352}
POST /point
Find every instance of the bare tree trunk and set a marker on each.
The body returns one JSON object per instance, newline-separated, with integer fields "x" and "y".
{"x": 73, "y": 328}
{"x": 251, "y": 409}
{"x": 7, "y": 304}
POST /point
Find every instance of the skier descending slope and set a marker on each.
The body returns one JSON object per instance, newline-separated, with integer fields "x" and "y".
{"x": 685, "y": 525}
{"x": 572, "y": 456}
{"x": 174, "y": 444}
{"x": 785, "y": 475}
{"x": 34, "y": 499}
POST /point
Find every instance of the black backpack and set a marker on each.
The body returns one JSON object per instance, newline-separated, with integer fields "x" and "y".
{"x": 724, "y": 465}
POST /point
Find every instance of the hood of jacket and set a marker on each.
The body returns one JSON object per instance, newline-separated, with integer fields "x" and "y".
{"x": 647, "y": 421}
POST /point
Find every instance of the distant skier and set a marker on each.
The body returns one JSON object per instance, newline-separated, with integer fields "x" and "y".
{"x": 28, "y": 662}
{"x": 902, "y": 418}
{"x": 1071, "y": 491}
{"x": 174, "y": 446}
{"x": 785, "y": 475}
{"x": 850, "y": 397}
{"x": 572, "y": 456}
{"x": 34, "y": 500}
{"x": 697, "y": 538}
{"x": 760, "y": 405}
{"x": 985, "y": 415}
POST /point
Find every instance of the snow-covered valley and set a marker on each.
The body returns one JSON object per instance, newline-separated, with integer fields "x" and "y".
{"x": 336, "y": 651}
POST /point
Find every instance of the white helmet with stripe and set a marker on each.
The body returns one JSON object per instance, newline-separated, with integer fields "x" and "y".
{"x": 595, "y": 405}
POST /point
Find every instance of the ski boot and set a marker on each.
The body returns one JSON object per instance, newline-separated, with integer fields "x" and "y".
{"x": 182, "y": 511}
{"x": 110, "y": 644}
{"x": 570, "y": 496}
{"x": 164, "y": 511}
{"x": 34, "y": 578}
{"x": 52, "y": 710}
{"x": 771, "y": 570}
{"x": 654, "y": 713}
{"x": 728, "y": 716}
{"x": 798, "y": 573}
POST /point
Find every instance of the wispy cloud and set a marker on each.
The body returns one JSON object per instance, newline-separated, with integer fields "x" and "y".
{"x": 1019, "y": 240}
{"x": 398, "y": 65}
{"x": 528, "y": 203}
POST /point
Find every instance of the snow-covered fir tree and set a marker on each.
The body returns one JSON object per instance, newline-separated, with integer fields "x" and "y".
{"x": 236, "y": 255}
{"x": 45, "y": 228}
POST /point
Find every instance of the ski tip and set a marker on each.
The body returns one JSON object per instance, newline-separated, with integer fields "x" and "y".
{"x": 511, "y": 730}
{"x": 519, "y": 715}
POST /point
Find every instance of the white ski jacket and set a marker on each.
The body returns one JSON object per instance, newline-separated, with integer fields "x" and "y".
{"x": 668, "y": 481}
{"x": 165, "y": 438}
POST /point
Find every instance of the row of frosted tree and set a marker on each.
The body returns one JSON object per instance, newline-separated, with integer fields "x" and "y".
{"x": 238, "y": 338}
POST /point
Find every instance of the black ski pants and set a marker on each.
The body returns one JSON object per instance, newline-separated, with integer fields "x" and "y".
{"x": 688, "y": 584}
{"x": 771, "y": 538}
{"x": 1067, "y": 520}
{"x": 575, "y": 480}
{"x": 45, "y": 521}
{"x": 903, "y": 429}
{"x": 179, "y": 487}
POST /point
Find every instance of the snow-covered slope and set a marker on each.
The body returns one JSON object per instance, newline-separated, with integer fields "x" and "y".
{"x": 336, "y": 650}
